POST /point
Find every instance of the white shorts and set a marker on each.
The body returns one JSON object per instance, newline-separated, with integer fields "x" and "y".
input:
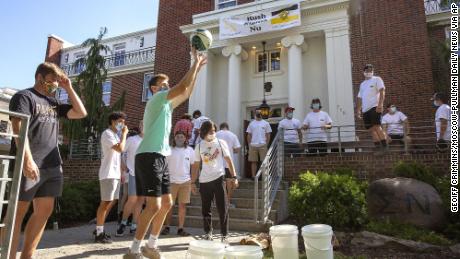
{"x": 110, "y": 189}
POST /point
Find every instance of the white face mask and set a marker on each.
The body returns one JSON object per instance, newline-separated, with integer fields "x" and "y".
{"x": 316, "y": 106}
{"x": 393, "y": 109}
{"x": 368, "y": 74}
{"x": 119, "y": 126}
{"x": 210, "y": 137}
{"x": 436, "y": 104}
{"x": 289, "y": 115}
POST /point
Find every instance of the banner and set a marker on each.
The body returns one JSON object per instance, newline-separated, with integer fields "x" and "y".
{"x": 275, "y": 19}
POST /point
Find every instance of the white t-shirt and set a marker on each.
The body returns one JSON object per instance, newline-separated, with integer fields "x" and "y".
{"x": 369, "y": 92}
{"x": 132, "y": 143}
{"x": 197, "y": 125}
{"x": 232, "y": 142}
{"x": 258, "y": 129}
{"x": 314, "y": 121}
{"x": 110, "y": 159}
{"x": 395, "y": 123}
{"x": 443, "y": 112}
{"x": 291, "y": 127}
{"x": 212, "y": 156}
{"x": 179, "y": 164}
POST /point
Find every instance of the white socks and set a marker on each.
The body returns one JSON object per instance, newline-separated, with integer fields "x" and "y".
{"x": 136, "y": 246}
{"x": 99, "y": 230}
{"x": 153, "y": 241}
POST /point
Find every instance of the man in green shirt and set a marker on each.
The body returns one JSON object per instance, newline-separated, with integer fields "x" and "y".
{"x": 151, "y": 169}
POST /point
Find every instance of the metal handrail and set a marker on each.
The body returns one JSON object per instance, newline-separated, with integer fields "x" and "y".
{"x": 271, "y": 170}
{"x": 85, "y": 149}
{"x": 438, "y": 6}
{"x": 15, "y": 181}
{"x": 115, "y": 61}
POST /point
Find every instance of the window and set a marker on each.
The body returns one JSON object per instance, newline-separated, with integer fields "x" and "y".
{"x": 4, "y": 126}
{"x": 106, "y": 92}
{"x": 62, "y": 96}
{"x": 119, "y": 50}
{"x": 220, "y": 4}
{"x": 141, "y": 42}
{"x": 272, "y": 57}
{"x": 79, "y": 64}
{"x": 66, "y": 58}
{"x": 146, "y": 94}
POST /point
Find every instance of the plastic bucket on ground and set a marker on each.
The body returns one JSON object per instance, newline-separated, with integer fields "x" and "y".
{"x": 243, "y": 252}
{"x": 318, "y": 241}
{"x": 204, "y": 249}
{"x": 285, "y": 241}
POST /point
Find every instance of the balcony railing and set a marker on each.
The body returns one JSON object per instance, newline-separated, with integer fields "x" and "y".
{"x": 116, "y": 61}
{"x": 439, "y": 6}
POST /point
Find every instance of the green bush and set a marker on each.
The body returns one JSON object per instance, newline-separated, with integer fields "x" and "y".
{"x": 406, "y": 231}
{"x": 441, "y": 183}
{"x": 78, "y": 203}
{"x": 333, "y": 199}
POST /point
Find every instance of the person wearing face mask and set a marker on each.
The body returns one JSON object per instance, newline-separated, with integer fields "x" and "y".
{"x": 370, "y": 101}
{"x": 134, "y": 203}
{"x": 443, "y": 121}
{"x": 316, "y": 123}
{"x": 42, "y": 170}
{"x": 211, "y": 154}
{"x": 180, "y": 161}
{"x": 292, "y": 133}
{"x": 396, "y": 125}
{"x": 110, "y": 171}
{"x": 258, "y": 137}
{"x": 198, "y": 119}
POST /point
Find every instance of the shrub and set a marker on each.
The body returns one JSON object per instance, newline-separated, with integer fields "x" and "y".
{"x": 441, "y": 183}
{"x": 406, "y": 231}
{"x": 336, "y": 200}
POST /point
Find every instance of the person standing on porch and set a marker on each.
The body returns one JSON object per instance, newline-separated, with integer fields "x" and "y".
{"x": 370, "y": 101}
{"x": 442, "y": 120}
{"x": 292, "y": 132}
{"x": 317, "y": 122}
{"x": 234, "y": 146}
{"x": 258, "y": 139}
{"x": 396, "y": 126}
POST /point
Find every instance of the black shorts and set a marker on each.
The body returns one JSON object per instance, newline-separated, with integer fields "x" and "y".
{"x": 152, "y": 175}
{"x": 49, "y": 185}
{"x": 372, "y": 118}
{"x": 397, "y": 139}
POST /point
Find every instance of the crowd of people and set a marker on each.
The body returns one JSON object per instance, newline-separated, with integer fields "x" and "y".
{"x": 153, "y": 174}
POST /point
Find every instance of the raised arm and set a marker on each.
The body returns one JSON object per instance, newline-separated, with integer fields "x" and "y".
{"x": 78, "y": 110}
{"x": 182, "y": 91}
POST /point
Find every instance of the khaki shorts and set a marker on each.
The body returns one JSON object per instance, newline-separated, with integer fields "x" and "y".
{"x": 110, "y": 189}
{"x": 181, "y": 192}
{"x": 257, "y": 153}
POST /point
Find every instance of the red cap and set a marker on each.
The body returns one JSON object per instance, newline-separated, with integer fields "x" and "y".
{"x": 289, "y": 108}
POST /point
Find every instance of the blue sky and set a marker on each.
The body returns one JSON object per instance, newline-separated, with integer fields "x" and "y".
{"x": 26, "y": 24}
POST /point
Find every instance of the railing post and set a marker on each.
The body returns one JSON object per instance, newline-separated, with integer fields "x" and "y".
{"x": 280, "y": 162}
{"x": 406, "y": 146}
{"x": 340, "y": 140}
{"x": 71, "y": 148}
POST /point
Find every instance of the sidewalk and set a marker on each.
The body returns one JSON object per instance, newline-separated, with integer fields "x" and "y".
{"x": 78, "y": 242}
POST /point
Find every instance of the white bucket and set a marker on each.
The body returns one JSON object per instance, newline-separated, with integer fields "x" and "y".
{"x": 318, "y": 241}
{"x": 285, "y": 241}
{"x": 204, "y": 249}
{"x": 243, "y": 252}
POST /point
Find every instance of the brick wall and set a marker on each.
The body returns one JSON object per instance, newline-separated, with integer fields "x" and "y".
{"x": 367, "y": 166}
{"x": 53, "y": 50}
{"x": 132, "y": 85}
{"x": 392, "y": 35}
{"x": 80, "y": 170}
{"x": 441, "y": 72}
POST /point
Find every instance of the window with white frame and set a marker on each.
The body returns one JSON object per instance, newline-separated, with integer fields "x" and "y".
{"x": 79, "y": 64}
{"x": 106, "y": 92}
{"x": 119, "y": 51}
{"x": 269, "y": 61}
{"x": 146, "y": 93}
{"x": 220, "y": 4}
{"x": 62, "y": 96}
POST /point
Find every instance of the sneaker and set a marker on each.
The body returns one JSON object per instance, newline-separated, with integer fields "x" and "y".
{"x": 153, "y": 253}
{"x": 208, "y": 236}
{"x": 225, "y": 241}
{"x": 165, "y": 231}
{"x": 120, "y": 230}
{"x": 131, "y": 255}
{"x": 182, "y": 232}
{"x": 132, "y": 230}
{"x": 103, "y": 238}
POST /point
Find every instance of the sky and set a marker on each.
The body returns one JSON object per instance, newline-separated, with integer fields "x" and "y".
{"x": 26, "y": 24}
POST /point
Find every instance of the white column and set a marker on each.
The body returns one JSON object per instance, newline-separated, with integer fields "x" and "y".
{"x": 340, "y": 86}
{"x": 295, "y": 86}
{"x": 236, "y": 54}
{"x": 200, "y": 98}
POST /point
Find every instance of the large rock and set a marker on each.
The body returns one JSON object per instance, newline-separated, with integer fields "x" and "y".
{"x": 405, "y": 200}
{"x": 373, "y": 240}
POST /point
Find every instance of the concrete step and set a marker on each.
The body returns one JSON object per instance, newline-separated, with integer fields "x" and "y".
{"x": 243, "y": 203}
{"x": 234, "y": 213}
{"x": 234, "y": 224}
{"x": 249, "y": 184}
{"x": 249, "y": 193}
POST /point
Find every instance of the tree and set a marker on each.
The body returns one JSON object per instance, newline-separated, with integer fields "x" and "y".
{"x": 88, "y": 85}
